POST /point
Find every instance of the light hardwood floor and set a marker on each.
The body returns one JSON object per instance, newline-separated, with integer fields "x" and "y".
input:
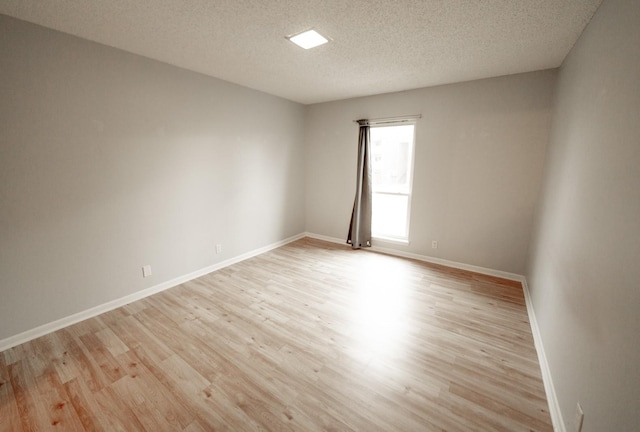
{"x": 309, "y": 337}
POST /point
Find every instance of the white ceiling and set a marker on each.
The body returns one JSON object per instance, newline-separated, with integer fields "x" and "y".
{"x": 378, "y": 46}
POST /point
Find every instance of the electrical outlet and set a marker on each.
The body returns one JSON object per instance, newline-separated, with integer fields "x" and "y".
{"x": 218, "y": 248}
{"x": 146, "y": 271}
{"x": 434, "y": 244}
{"x": 579, "y": 418}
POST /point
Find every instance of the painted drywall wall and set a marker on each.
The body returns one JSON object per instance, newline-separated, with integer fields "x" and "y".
{"x": 478, "y": 165}
{"x": 584, "y": 271}
{"x": 110, "y": 161}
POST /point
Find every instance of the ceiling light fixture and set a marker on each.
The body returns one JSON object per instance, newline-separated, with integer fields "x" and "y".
{"x": 308, "y": 39}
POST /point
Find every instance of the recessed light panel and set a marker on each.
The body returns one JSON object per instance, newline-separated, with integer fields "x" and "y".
{"x": 308, "y": 39}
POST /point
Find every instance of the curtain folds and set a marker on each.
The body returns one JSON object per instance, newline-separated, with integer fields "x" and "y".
{"x": 360, "y": 227}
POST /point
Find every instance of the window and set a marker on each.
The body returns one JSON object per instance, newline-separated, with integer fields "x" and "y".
{"x": 392, "y": 169}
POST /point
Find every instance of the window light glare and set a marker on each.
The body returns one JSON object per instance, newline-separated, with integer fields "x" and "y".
{"x": 308, "y": 39}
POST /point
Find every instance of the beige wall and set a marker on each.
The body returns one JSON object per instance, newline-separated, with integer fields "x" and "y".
{"x": 478, "y": 163}
{"x": 109, "y": 161}
{"x": 584, "y": 271}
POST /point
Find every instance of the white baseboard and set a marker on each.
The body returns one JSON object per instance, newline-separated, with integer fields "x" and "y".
{"x": 114, "y": 304}
{"x": 426, "y": 258}
{"x": 552, "y": 399}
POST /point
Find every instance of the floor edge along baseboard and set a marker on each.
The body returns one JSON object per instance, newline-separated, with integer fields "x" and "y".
{"x": 547, "y": 380}
{"x": 58, "y": 324}
{"x": 554, "y": 408}
{"x": 426, "y": 258}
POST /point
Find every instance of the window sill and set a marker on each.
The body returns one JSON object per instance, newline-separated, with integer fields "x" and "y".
{"x": 391, "y": 240}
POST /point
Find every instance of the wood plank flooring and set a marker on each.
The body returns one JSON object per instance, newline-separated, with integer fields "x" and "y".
{"x": 308, "y": 337}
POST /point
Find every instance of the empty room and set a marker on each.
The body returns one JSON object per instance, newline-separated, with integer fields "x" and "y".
{"x": 225, "y": 215}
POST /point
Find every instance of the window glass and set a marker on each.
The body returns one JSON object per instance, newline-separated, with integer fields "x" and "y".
{"x": 391, "y": 165}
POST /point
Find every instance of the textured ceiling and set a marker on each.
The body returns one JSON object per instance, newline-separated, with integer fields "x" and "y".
{"x": 377, "y": 46}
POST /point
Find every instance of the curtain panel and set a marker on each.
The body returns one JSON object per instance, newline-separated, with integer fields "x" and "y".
{"x": 360, "y": 227}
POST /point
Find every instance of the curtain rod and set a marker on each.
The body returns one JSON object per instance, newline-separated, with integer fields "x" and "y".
{"x": 399, "y": 119}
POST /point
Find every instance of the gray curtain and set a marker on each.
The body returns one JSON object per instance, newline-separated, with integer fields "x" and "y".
{"x": 360, "y": 228}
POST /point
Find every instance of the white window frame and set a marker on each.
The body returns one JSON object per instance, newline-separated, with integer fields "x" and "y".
{"x": 409, "y": 195}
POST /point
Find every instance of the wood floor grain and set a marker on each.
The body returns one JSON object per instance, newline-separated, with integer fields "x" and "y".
{"x": 308, "y": 337}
